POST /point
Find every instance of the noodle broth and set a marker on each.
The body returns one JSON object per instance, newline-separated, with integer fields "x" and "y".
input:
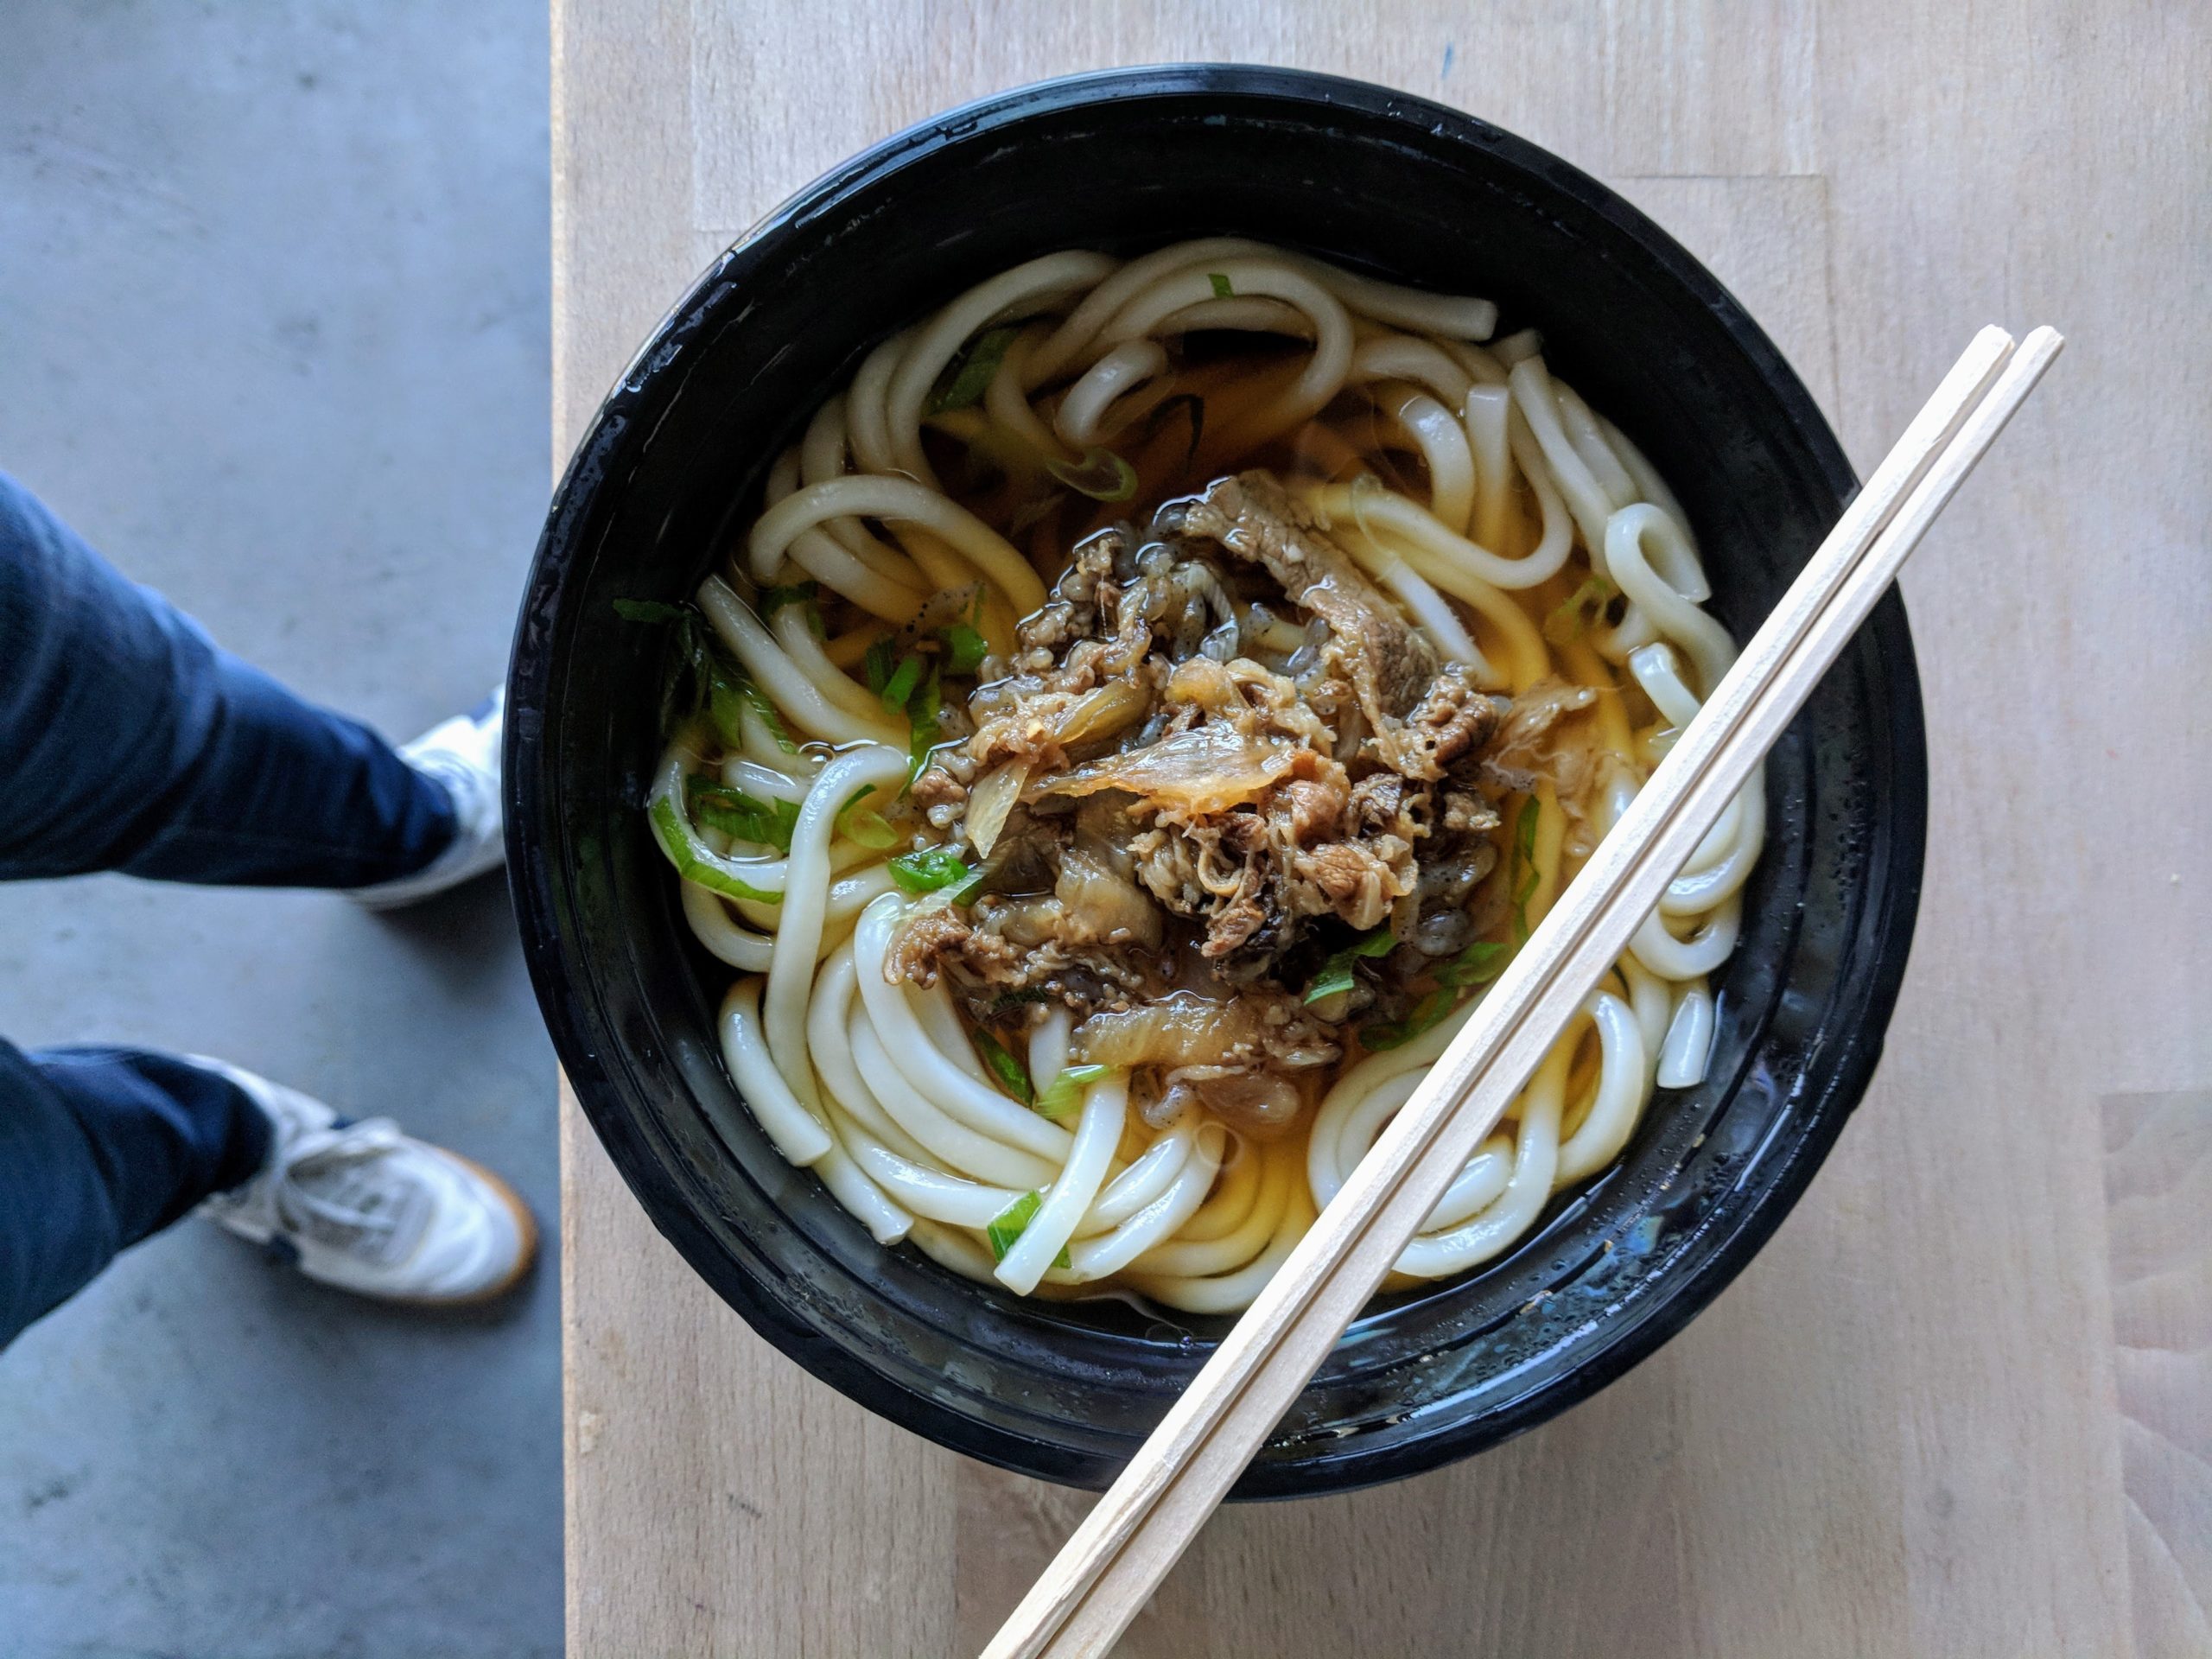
{"x": 1152, "y": 702}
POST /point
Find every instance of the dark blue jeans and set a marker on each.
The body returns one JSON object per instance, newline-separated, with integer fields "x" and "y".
{"x": 130, "y": 741}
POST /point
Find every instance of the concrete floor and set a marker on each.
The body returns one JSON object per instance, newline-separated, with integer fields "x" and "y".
{"x": 273, "y": 334}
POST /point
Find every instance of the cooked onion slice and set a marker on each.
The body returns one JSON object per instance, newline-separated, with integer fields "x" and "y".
{"x": 990, "y": 800}
{"x": 1209, "y": 769}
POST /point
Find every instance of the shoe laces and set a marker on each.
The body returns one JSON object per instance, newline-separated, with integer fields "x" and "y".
{"x": 342, "y": 1188}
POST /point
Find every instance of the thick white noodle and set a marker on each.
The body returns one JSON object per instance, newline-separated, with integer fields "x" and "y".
{"x": 1098, "y": 1131}
{"x": 1444, "y": 447}
{"x": 1324, "y": 374}
{"x": 936, "y": 343}
{"x": 823, "y": 453}
{"x": 1688, "y": 1048}
{"x": 796, "y": 1131}
{"x": 900, "y": 500}
{"x": 1006, "y": 400}
{"x": 1082, "y": 417}
{"x": 806, "y": 891}
{"x": 1407, "y": 521}
{"x": 710, "y": 923}
{"x": 796, "y": 696}
{"x": 876, "y": 1085}
{"x": 1248, "y": 315}
{"x": 1484, "y": 410}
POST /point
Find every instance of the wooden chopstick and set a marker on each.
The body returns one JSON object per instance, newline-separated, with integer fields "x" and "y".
{"x": 1125, "y": 1546}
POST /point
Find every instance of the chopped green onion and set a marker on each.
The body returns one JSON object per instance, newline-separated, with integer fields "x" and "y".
{"x": 683, "y": 692}
{"x": 768, "y": 823}
{"x": 929, "y": 870}
{"x": 1009, "y": 1225}
{"x": 963, "y": 649}
{"x": 1010, "y": 1222}
{"x": 1100, "y": 474}
{"x": 864, "y": 826}
{"x": 648, "y": 610}
{"x": 690, "y": 679}
{"x": 1524, "y": 864}
{"x": 922, "y": 711}
{"x": 973, "y": 377}
{"x": 1336, "y": 972}
{"x": 798, "y": 593}
{"x": 764, "y": 712}
{"x": 1064, "y": 1093}
{"x": 726, "y": 698}
{"x": 1478, "y": 964}
{"x": 1426, "y": 1015}
{"x": 877, "y": 664}
{"x": 1006, "y": 1068}
{"x": 1574, "y": 616}
{"x": 1222, "y": 291}
{"x": 675, "y": 841}
{"x": 902, "y": 683}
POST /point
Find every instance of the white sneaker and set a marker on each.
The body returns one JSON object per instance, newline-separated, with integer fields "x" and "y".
{"x": 364, "y": 1208}
{"x": 463, "y": 755}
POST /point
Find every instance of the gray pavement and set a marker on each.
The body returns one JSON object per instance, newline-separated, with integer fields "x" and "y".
{"x": 273, "y": 336}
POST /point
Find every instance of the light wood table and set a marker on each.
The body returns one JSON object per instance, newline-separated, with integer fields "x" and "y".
{"x": 1962, "y": 1403}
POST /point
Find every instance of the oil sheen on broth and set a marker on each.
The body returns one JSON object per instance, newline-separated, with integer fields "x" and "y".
{"x": 1151, "y": 703}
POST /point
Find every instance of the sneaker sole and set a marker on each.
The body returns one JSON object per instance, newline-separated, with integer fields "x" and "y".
{"x": 525, "y": 1228}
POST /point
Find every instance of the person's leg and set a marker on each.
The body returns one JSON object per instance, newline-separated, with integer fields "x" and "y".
{"x": 129, "y": 740}
{"x": 100, "y": 1148}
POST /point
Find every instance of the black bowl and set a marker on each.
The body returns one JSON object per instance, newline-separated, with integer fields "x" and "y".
{"x": 1124, "y": 161}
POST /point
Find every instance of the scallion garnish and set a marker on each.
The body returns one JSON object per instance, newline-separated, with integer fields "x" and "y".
{"x": 1063, "y": 1094}
{"x": 674, "y": 838}
{"x": 648, "y": 610}
{"x": 1007, "y": 1068}
{"x": 1010, "y": 1222}
{"x": 1378, "y": 1035}
{"x": 1100, "y": 474}
{"x": 900, "y": 683}
{"x": 797, "y": 592}
{"x": 923, "y": 709}
{"x": 1336, "y": 972}
{"x": 1009, "y": 1225}
{"x": 929, "y": 870}
{"x": 743, "y": 817}
{"x": 726, "y": 699}
{"x": 1574, "y": 616}
{"x": 1222, "y": 291}
{"x": 968, "y": 383}
{"x": 1478, "y": 964}
{"x": 876, "y": 666}
{"x": 863, "y": 825}
{"x": 764, "y": 712}
{"x": 693, "y": 676}
{"x": 1525, "y": 874}
{"x": 964, "y": 648}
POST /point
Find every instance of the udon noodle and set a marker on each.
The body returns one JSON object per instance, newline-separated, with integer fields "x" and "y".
{"x": 1150, "y": 702}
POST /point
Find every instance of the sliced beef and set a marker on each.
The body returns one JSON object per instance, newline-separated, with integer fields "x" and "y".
{"x": 1386, "y": 662}
{"x": 1178, "y": 834}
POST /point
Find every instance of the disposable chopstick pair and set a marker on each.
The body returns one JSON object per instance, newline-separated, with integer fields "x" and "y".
{"x": 1114, "y": 1559}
